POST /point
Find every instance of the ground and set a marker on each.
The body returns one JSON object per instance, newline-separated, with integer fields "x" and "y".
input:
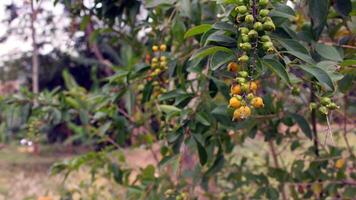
{"x": 26, "y": 176}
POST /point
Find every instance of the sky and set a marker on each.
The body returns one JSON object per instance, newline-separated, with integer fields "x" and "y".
{"x": 14, "y": 44}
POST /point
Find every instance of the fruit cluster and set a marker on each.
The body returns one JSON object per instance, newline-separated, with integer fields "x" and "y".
{"x": 243, "y": 95}
{"x": 325, "y": 105}
{"x": 254, "y": 24}
{"x": 159, "y": 64}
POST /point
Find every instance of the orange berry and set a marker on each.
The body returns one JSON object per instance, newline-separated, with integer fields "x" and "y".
{"x": 236, "y": 89}
{"x": 232, "y": 67}
{"x": 234, "y": 102}
{"x": 340, "y": 163}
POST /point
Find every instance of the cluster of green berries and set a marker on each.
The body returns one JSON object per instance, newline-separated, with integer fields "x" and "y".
{"x": 170, "y": 193}
{"x": 253, "y": 27}
{"x": 33, "y": 128}
{"x": 324, "y": 106}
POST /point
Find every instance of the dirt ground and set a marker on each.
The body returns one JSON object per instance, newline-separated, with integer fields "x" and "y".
{"x": 24, "y": 176}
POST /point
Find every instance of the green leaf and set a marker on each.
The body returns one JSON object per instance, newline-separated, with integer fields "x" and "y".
{"x": 197, "y": 30}
{"x": 301, "y": 56}
{"x": 277, "y": 68}
{"x": 303, "y": 124}
{"x": 146, "y": 94}
{"x": 203, "y": 155}
{"x": 293, "y": 46}
{"x": 224, "y": 26}
{"x": 318, "y": 12}
{"x": 328, "y": 52}
{"x": 220, "y": 58}
{"x": 202, "y": 118}
{"x": 169, "y": 109}
{"x": 209, "y": 50}
{"x": 155, "y": 3}
{"x": 322, "y": 76}
{"x": 346, "y": 63}
{"x": 221, "y": 38}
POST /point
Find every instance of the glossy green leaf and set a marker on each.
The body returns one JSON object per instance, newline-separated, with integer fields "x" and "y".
{"x": 220, "y": 58}
{"x": 203, "y": 155}
{"x": 209, "y": 50}
{"x": 318, "y": 12}
{"x": 328, "y": 52}
{"x": 197, "y": 30}
{"x": 293, "y": 46}
{"x": 303, "y": 124}
{"x": 321, "y": 75}
{"x": 276, "y": 67}
{"x": 225, "y": 26}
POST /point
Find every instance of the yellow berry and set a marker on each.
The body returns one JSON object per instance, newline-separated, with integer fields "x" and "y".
{"x": 154, "y": 48}
{"x": 236, "y": 89}
{"x": 163, "y": 47}
{"x": 163, "y": 58}
{"x": 340, "y": 163}
{"x": 154, "y": 60}
{"x": 234, "y": 102}
{"x": 253, "y": 86}
{"x": 244, "y": 112}
{"x": 257, "y": 102}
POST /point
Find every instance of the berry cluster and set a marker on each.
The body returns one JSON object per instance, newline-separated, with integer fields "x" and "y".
{"x": 325, "y": 105}
{"x": 254, "y": 23}
{"x": 243, "y": 95}
{"x": 159, "y": 64}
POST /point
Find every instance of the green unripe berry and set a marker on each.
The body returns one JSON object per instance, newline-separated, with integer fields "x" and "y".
{"x": 265, "y": 38}
{"x": 267, "y": 19}
{"x": 295, "y": 90}
{"x": 313, "y": 106}
{"x": 243, "y": 30}
{"x": 267, "y": 45}
{"x": 252, "y": 34}
{"x": 264, "y": 12}
{"x": 269, "y": 26}
{"x": 244, "y": 87}
{"x": 263, "y": 3}
{"x": 324, "y": 110}
{"x": 241, "y": 9}
{"x": 250, "y": 96}
{"x": 245, "y": 46}
{"x": 325, "y": 101}
{"x": 241, "y": 80}
{"x": 249, "y": 19}
{"x": 243, "y": 74}
{"x": 258, "y": 26}
{"x": 243, "y": 59}
{"x": 239, "y": 97}
{"x": 332, "y": 106}
{"x": 245, "y": 38}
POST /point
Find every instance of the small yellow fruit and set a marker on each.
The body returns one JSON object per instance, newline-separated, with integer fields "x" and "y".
{"x": 154, "y": 60}
{"x": 232, "y": 67}
{"x": 237, "y": 114}
{"x": 340, "y": 163}
{"x": 245, "y": 112}
{"x": 253, "y": 86}
{"x": 163, "y": 47}
{"x": 234, "y": 102}
{"x": 154, "y": 48}
{"x": 257, "y": 102}
{"x": 236, "y": 89}
{"x": 163, "y": 58}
